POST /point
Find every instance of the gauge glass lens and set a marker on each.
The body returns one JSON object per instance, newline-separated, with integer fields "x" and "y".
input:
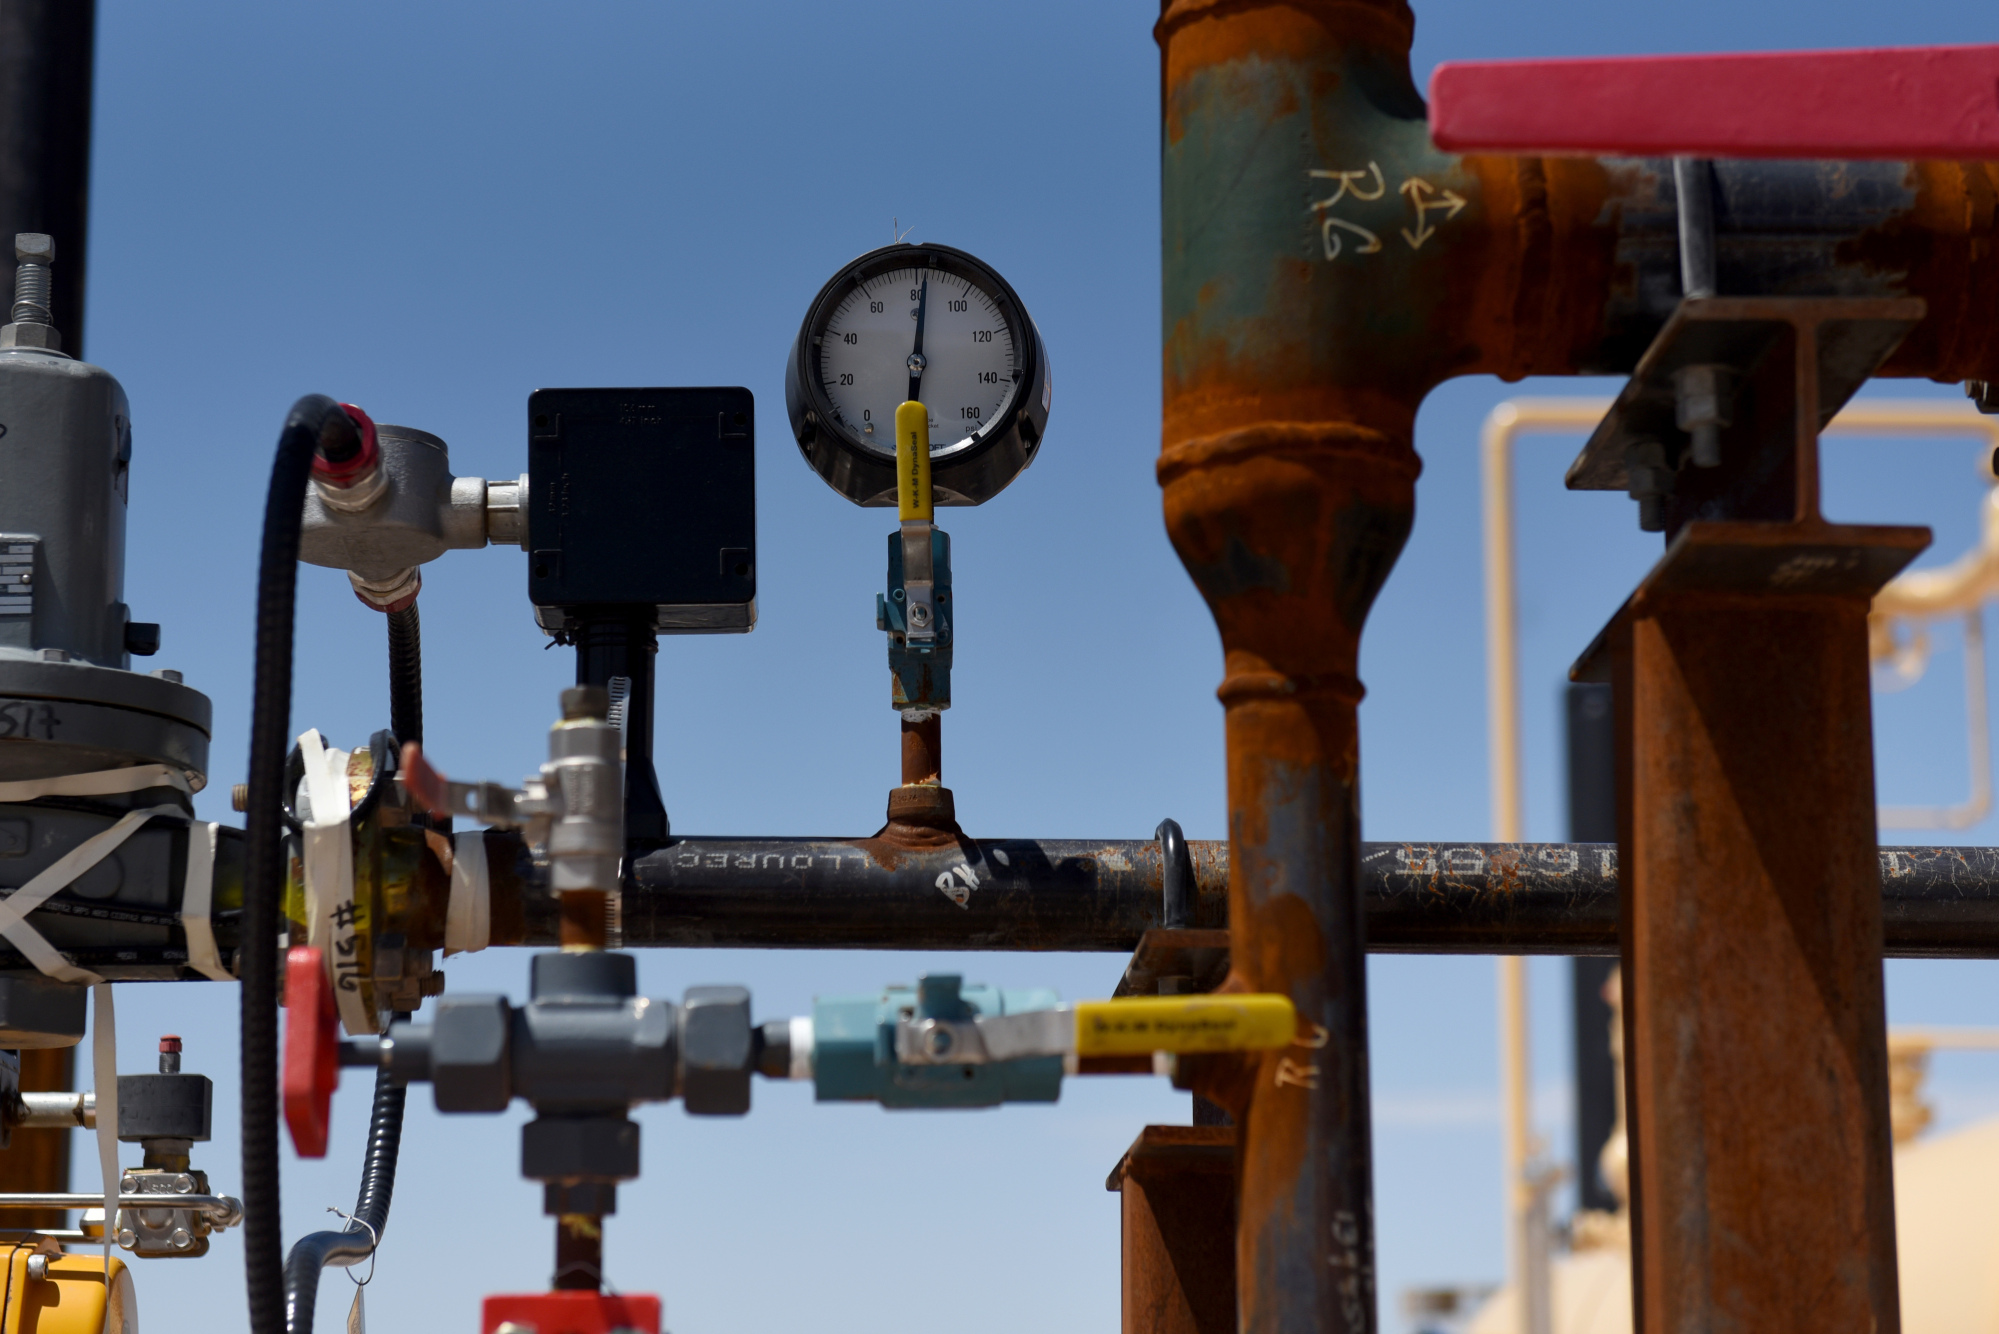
{"x": 971, "y": 364}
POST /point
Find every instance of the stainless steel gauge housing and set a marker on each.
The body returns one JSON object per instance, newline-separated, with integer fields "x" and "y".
{"x": 982, "y": 369}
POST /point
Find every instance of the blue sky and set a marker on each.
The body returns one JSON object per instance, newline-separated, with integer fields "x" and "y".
{"x": 432, "y": 209}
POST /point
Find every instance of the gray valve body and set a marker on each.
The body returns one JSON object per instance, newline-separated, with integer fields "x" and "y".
{"x": 64, "y": 456}
{"x": 69, "y": 703}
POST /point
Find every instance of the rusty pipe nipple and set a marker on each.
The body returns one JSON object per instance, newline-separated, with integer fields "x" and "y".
{"x": 585, "y": 921}
{"x": 923, "y": 750}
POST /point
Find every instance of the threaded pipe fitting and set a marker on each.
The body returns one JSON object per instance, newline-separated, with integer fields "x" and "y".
{"x": 31, "y": 295}
{"x": 35, "y": 251}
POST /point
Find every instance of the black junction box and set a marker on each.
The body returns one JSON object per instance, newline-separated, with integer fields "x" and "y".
{"x": 642, "y": 503}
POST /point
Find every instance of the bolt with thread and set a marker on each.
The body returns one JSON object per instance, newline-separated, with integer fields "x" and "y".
{"x": 34, "y": 251}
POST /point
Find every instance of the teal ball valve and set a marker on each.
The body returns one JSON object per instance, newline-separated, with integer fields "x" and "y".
{"x": 854, "y": 1048}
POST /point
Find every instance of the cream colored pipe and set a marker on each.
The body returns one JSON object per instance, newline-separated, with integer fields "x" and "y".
{"x": 1526, "y": 1189}
{"x": 1955, "y": 589}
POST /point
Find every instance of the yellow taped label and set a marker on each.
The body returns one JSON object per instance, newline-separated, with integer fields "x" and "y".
{"x": 912, "y": 461}
{"x": 1184, "y": 1024}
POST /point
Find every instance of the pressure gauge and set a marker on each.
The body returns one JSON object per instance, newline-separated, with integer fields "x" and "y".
{"x": 924, "y": 323}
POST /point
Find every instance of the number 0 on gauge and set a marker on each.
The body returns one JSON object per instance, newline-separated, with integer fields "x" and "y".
{"x": 932, "y": 324}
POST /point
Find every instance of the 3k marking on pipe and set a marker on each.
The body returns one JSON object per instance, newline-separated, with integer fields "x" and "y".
{"x": 1143, "y": 1024}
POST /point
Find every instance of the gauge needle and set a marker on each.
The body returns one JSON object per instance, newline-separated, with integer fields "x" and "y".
{"x": 916, "y": 362}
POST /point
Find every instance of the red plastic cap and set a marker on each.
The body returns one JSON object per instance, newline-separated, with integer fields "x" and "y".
{"x": 1909, "y": 102}
{"x": 170, "y": 1044}
{"x": 572, "y": 1312}
{"x": 347, "y": 472}
{"x": 312, "y": 1051}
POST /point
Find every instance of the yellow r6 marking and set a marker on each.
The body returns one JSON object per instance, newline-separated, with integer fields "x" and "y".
{"x": 1143, "y": 1024}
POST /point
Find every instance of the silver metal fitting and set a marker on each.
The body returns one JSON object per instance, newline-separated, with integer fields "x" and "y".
{"x": 38, "y": 1267}
{"x": 585, "y": 781}
{"x": 919, "y": 581}
{"x": 55, "y": 1111}
{"x": 507, "y": 512}
{"x": 983, "y": 1041}
{"x": 173, "y": 1228}
{"x": 356, "y": 499}
{"x": 384, "y": 594}
{"x": 408, "y": 513}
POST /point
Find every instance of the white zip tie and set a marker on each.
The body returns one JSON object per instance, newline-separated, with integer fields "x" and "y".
{"x": 63, "y": 872}
{"x": 104, "y": 1069}
{"x": 197, "y": 896}
{"x": 97, "y": 783}
{"x": 58, "y": 875}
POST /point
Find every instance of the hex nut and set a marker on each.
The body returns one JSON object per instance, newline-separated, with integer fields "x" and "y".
{"x": 470, "y": 1054}
{"x": 34, "y": 248}
{"x": 580, "y": 1149}
{"x": 716, "y": 1051}
{"x": 40, "y": 336}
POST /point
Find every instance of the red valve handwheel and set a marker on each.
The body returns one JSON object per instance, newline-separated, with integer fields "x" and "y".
{"x": 1909, "y": 102}
{"x": 312, "y": 1051}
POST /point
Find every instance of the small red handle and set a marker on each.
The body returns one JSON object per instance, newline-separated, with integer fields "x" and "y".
{"x": 312, "y": 1051}
{"x": 424, "y": 783}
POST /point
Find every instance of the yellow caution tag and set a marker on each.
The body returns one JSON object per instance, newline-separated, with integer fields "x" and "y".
{"x": 912, "y": 462}
{"x": 1142, "y": 1024}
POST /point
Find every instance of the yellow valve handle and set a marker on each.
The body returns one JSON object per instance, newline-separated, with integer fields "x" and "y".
{"x": 1142, "y": 1024}
{"x": 912, "y": 462}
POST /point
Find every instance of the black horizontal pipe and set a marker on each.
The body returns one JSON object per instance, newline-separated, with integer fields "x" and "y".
{"x": 1101, "y": 896}
{"x": 1042, "y": 894}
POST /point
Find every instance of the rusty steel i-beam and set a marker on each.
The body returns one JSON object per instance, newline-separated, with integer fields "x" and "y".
{"x": 1324, "y": 266}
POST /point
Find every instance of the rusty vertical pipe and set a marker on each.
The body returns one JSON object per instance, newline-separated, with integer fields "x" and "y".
{"x": 1288, "y": 495}
{"x": 1323, "y": 266}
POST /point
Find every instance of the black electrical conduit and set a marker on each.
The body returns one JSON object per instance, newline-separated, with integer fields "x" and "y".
{"x": 406, "y": 675}
{"x": 314, "y": 1252}
{"x": 316, "y": 425}
{"x": 311, "y": 1254}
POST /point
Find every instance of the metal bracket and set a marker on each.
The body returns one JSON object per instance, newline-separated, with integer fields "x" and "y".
{"x": 1853, "y": 336}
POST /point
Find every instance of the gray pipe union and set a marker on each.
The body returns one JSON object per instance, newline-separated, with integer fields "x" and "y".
{"x": 585, "y": 1045}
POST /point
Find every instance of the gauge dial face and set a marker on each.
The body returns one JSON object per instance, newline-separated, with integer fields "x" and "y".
{"x": 930, "y": 323}
{"x": 970, "y": 362}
